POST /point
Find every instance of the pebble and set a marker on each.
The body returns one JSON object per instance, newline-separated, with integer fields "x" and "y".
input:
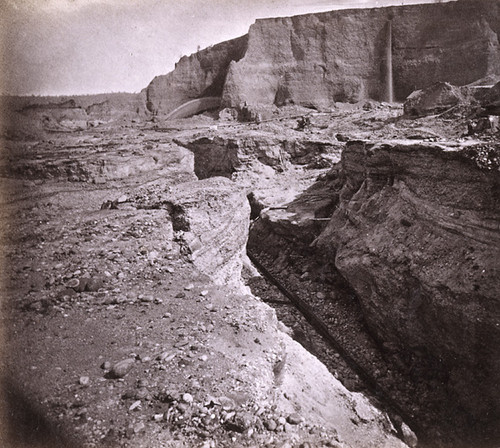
{"x": 120, "y": 369}
{"x": 135, "y": 405}
{"x": 139, "y": 427}
{"x": 204, "y": 293}
{"x": 294, "y": 419}
{"x": 158, "y": 417}
{"x": 189, "y": 287}
{"x": 321, "y": 295}
{"x": 106, "y": 365}
{"x": 271, "y": 425}
{"x": 153, "y": 255}
{"x": 281, "y": 421}
{"x": 84, "y": 380}
{"x": 187, "y": 398}
{"x": 73, "y": 283}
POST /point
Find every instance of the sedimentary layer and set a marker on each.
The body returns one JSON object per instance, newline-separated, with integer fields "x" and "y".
{"x": 319, "y": 59}
{"x": 416, "y": 233}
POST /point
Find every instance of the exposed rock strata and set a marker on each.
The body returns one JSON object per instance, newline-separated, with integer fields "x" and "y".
{"x": 212, "y": 219}
{"x": 319, "y": 59}
{"x": 415, "y": 231}
{"x": 226, "y": 155}
{"x": 338, "y": 56}
{"x": 416, "y": 234}
{"x": 201, "y": 74}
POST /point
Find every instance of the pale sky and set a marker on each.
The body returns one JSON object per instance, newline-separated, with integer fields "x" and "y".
{"x": 56, "y": 47}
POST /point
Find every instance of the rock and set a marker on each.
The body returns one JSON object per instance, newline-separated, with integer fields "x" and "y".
{"x": 240, "y": 422}
{"x": 313, "y": 75}
{"x": 226, "y": 403}
{"x": 435, "y": 99}
{"x": 72, "y": 283}
{"x": 194, "y": 75}
{"x": 106, "y": 365}
{"x": 141, "y": 393}
{"x": 294, "y": 419}
{"x": 271, "y": 425}
{"x": 430, "y": 267}
{"x": 84, "y": 380}
{"x": 187, "y": 398}
{"x": 120, "y": 369}
{"x": 135, "y": 405}
{"x": 158, "y": 417}
{"x": 153, "y": 255}
{"x": 94, "y": 284}
{"x": 138, "y": 427}
{"x": 409, "y": 436}
{"x": 318, "y": 77}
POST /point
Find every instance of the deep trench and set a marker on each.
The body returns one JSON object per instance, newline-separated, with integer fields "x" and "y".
{"x": 325, "y": 316}
{"x": 329, "y": 323}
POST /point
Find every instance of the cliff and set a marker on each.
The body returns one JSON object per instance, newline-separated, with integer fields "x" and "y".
{"x": 416, "y": 234}
{"x": 412, "y": 229}
{"x": 201, "y": 74}
{"x": 340, "y": 55}
{"x": 318, "y": 59}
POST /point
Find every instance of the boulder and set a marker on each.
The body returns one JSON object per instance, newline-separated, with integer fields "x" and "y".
{"x": 438, "y": 98}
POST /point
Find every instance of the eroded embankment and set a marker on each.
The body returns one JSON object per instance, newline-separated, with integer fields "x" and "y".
{"x": 122, "y": 328}
{"x": 413, "y": 230}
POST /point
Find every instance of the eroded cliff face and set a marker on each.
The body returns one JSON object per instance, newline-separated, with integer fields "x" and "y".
{"x": 340, "y": 55}
{"x": 319, "y": 59}
{"x": 201, "y": 74}
{"x": 416, "y": 234}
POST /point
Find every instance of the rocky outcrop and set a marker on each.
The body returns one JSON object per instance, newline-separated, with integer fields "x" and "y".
{"x": 339, "y": 55}
{"x": 416, "y": 234}
{"x": 316, "y": 60}
{"x": 225, "y": 154}
{"x": 199, "y": 75}
{"x": 211, "y": 218}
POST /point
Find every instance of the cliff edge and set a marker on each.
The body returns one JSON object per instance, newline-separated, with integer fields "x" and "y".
{"x": 315, "y": 60}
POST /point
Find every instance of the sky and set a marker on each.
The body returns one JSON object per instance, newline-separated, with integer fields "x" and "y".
{"x": 70, "y": 47}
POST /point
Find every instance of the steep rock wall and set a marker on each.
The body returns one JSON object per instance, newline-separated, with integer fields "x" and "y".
{"x": 317, "y": 59}
{"x": 201, "y": 74}
{"x": 416, "y": 233}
